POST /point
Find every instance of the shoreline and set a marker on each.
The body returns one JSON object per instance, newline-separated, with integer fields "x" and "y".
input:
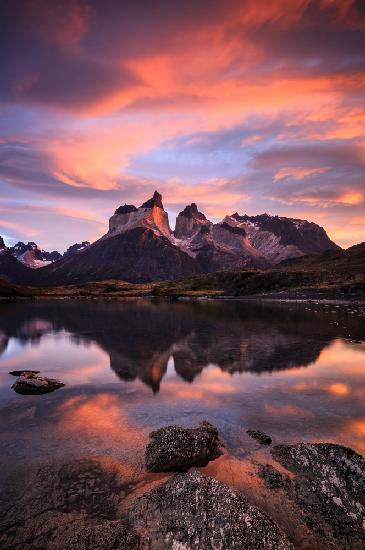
{"x": 257, "y": 298}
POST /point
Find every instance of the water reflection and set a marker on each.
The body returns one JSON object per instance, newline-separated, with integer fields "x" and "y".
{"x": 294, "y": 372}
{"x": 141, "y": 338}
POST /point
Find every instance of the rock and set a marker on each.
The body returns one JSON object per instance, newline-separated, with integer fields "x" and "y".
{"x": 20, "y": 372}
{"x": 177, "y": 449}
{"x": 192, "y": 511}
{"x": 106, "y": 536}
{"x": 329, "y": 488}
{"x": 273, "y": 478}
{"x": 260, "y": 436}
{"x": 29, "y": 383}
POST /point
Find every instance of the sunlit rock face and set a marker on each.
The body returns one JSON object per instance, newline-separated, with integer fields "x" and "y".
{"x": 278, "y": 238}
{"x": 189, "y": 222}
{"x": 215, "y": 246}
{"x": 150, "y": 215}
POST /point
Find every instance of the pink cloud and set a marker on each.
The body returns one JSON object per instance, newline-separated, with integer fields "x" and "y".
{"x": 298, "y": 173}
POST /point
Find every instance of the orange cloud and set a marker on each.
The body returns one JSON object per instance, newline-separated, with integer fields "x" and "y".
{"x": 351, "y": 197}
{"x": 21, "y": 228}
{"x": 111, "y": 88}
{"x": 298, "y": 173}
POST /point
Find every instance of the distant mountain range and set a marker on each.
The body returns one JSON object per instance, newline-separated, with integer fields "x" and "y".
{"x": 33, "y": 256}
{"x": 141, "y": 247}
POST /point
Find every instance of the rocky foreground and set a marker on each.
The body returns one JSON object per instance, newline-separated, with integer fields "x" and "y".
{"x": 175, "y": 449}
{"x": 88, "y": 504}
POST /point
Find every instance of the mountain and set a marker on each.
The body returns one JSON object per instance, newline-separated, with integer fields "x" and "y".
{"x": 151, "y": 215}
{"x": 279, "y": 238}
{"x": 136, "y": 248}
{"x": 216, "y": 246}
{"x": 74, "y": 248}
{"x": 31, "y": 255}
{"x": 189, "y": 222}
{"x": 138, "y": 255}
{"x": 13, "y": 270}
{"x": 140, "y": 246}
{"x": 2, "y": 244}
{"x": 335, "y": 274}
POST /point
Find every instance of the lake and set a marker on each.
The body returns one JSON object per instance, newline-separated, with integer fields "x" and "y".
{"x": 295, "y": 371}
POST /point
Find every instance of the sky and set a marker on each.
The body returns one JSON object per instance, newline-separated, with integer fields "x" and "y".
{"x": 236, "y": 105}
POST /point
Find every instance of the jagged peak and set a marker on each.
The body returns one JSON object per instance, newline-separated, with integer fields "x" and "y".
{"x": 156, "y": 200}
{"x": 2, "y": 244}
{"x": 31, "y": 245}
{"x": 191, "y": 211}
{"x": 76, "y": 248}
{"x": 125, "y": 209}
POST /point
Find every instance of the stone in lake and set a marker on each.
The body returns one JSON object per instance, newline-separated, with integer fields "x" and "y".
{"x": 260, "y": 436}
{"x": 176, "y": 449}
{"x": 329, "y": 489}
{"x": 29, "y": 383}
{"x": 20, "y": 372}
{"x": 193, "y": 511}
{"x": 106, "y": 536}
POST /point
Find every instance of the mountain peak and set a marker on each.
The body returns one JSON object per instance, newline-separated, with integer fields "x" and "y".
{"x": 191, "y": 211}
{"x": 189, "y": 222}
{"x": 32, "y": 255}
{"x": 2, "y": 244}
{"x": 156, "y": 200}
{"x": 73, "y": 249}
{"x": 125, "y": 209}
{"x": 150, "y": 215}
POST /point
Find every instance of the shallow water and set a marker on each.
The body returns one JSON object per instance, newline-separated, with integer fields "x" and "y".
{"x": 295, "y": 371}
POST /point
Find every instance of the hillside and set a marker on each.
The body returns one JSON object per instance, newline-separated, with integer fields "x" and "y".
{"x": 335, "y": 274}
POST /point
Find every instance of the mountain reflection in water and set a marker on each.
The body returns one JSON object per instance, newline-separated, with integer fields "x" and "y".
{"x": 141, "y": 338}
{"x": 295, "y": 371}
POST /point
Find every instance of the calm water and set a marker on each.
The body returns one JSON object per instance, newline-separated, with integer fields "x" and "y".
{"x": 296, "y": 372}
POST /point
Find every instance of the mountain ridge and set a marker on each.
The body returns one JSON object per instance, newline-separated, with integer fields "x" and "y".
{"x": 140, "y": 246}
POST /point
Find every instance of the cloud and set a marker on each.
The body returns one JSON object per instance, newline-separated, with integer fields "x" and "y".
{"x": 231, "y": 104}
{"x": 298, "y": 173}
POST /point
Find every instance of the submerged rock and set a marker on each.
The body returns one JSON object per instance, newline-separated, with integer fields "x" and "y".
{"x": 260, "y": 436}
{"x": 192, "y": 511}
{"x": 20, "y": 372}
{"x": 329, "y": 488}
{"x": 29, "y": 383}
{"x": 106, "y": 536}
{"x": 177, "y": 449}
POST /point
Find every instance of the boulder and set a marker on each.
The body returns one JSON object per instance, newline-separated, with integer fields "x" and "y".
{"x": 260, "y": 436}
{"x": 192, "y": 511}
{"x": 29, "y": 383}
{"x": 329, "y": 489}
{"x": 176, "y": 449}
